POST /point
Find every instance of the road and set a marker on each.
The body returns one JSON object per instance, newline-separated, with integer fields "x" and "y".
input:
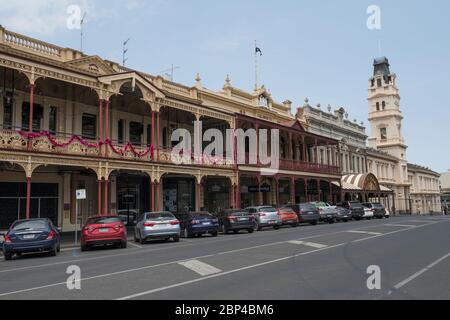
{"x": 308, "y": 262}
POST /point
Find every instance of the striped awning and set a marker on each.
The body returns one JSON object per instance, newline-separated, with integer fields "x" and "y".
{"x": 362, "y": 183}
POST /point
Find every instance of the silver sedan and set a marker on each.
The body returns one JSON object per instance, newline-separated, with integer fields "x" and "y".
{"x": 157, "y": 225}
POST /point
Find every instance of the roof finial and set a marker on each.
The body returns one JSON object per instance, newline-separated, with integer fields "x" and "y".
{"x": 227, "y": 81}
{"x": 198, "y": 81}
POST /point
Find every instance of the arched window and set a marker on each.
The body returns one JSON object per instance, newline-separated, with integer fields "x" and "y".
{"x": 378, "y": 106}
{"x": 384, "y": 105}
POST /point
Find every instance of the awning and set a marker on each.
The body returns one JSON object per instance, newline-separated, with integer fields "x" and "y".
{"x": 366, "y": 183}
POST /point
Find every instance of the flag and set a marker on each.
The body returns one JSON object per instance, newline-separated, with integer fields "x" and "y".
{"x": 258, "y": 50}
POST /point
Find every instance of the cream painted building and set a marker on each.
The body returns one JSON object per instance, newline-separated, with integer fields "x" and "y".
{"x": 413, "y": 189}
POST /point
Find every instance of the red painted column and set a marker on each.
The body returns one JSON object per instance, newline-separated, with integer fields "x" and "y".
{"x": 106, "y": 119}
{"x": 306, "y": 190}
{"x": 152, "y": 196}
{"x": 292, "y": 190}
{"x": 28, "y": 201}
{"x": 153, "y": 129}
{"x": 158, "y": 133}
{"x": 106, "y": 204}
{"x": 158, "y": 196}
{"x": 30, "y": 116}
{"x": 99, "y": 197}
{"x": 100, "y": 121}
{"x": 198, "y": 196}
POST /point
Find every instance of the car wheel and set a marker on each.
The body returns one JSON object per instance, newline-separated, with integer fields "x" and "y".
{"x": 251, "y": 230}
{"x": 295, "y": 225}
{"x": 235, "y": 231}
{"x": 8, "y": 256}
{"x": 84, "y": 248}
{"x": 176, "y": 239}
{"x": 141, "y": 240}
{"x": 257, "y": 227}
{"x": 123, "y": 245}
{"x": 276, "y": 228}
{"x": 314, "y": 223}
{"x": 54, "y": 251}
{"x": 135, "y": 238}
{"x": 214, "y": 234}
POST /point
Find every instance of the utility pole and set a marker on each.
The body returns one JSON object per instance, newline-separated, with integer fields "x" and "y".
{"x": 124, "y": 52}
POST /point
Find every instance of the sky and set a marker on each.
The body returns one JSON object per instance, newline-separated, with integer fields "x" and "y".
{"x": 318, "y": 49}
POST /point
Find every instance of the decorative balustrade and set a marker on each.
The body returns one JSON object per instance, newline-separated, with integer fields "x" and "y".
{"x": 18, "y": 40}
{"x": 129, "y": 151}
{"x": 168, "y": 156}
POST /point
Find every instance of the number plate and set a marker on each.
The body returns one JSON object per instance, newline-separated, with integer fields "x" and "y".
{"x": 28, "y": 236}
{"x": 104, "y": 230}
{"x": 206, "y": 223}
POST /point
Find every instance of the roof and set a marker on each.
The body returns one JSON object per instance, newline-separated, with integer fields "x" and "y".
{"x": 362, "y": 182}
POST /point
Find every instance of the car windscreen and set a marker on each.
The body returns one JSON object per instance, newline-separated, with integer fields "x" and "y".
{"x": 201, "y": 214}
{"x": 356, "y": 205}
{"x": 103, "y": 220}
{"x": 159, "y": 215}
{"x": 307, "y": 207}
{"x": 287, "y": 210}
{"x": 31, "y": 225}
{"x": 267, "y": 209}
{"x": 377, "y": 205}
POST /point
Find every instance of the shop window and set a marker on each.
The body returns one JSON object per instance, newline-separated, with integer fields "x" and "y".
{"x": 89, "y": 126}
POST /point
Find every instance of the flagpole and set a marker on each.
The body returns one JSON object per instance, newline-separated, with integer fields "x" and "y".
{"x": 256, "y": 66}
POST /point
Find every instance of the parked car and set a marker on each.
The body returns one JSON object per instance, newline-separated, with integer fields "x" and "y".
{"x": 378, "y": 209}
{"x": 343, "y": 214}
{"x": 288, "y": 217}
{"x": 328, "y": 213}
{"x": 356, "y": 209}
{"x": 306, "y": 213}
{"x": 108, "y": 230}
{"x": 197, "y": 224}
{"x": 236, "y": 220}
{"x": 265, "y": 216}
{"x": 31, "y": 236}
{"x": 157, "y": 225}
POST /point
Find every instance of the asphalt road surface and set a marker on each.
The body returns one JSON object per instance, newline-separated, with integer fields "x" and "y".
{"x": 321, "y": 262}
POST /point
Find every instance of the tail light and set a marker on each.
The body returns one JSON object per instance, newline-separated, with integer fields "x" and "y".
{"x": 215, "y": 220}
{"x": 88, "y": 229}
{"x": 51, "y": 235}
{"x": 231, "y": 218}
{"x": 175, "y": 223}
{"x": 195, "y": 222}
{"x": 262, "y": 214}
{"x": 149, "y": 224}
{"x": 7, "y": 239}
{"x": 118, "y": 227}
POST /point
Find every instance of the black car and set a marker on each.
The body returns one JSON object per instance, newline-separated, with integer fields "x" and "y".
{"x": 356, "y": 209}
{"x": 343, "y": 214}
{"x": 379, "y": 211}
{"x": 306, "y": 212}
{"x": 31, "y": 236}
{"x": 198, "y": 224}
{"x": 236, "y": 220}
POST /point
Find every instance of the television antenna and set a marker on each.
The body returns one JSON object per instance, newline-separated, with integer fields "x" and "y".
{"x": 170, "y": 72}
{"x": 83, "y": 20}
{"x": 125, "y": 51}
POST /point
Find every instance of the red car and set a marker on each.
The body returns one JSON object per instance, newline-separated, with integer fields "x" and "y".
{"x": 288, "y": 217}
{"x": 103, "y": 231}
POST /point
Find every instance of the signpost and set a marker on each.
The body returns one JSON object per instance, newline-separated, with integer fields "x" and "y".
{"x": 80, "y": 195}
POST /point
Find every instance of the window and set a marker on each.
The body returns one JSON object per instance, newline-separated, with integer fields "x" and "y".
{"x": 7, "y": 112}
{"x": 136, "y": 131}
{"x": 38, "y": 113}
{"x": 379, "y": 83}
{"x": 383, "y": 134}
{"x": 53, "y": 120}
{"x": 89, "y": 126}
{"x": 120, "y": 127}
{"x": 378, "y": 106}
{"x": 383, "y": 105}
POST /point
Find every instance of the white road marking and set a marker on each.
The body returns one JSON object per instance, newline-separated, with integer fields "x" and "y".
{"x": 400, "y": 225}
{"x": 205, "y": 278}
{"x": 199, "y": 267}
{"x": 309, "y": 244}
{"x": 421, "y": 221}
{"x": 134, "y": 245}
{"x": 418, "y": 274}
{"x": 365, "y": 232}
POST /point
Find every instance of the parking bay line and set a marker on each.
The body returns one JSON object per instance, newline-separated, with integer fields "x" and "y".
{"x": 400, "y": 225}
{"x": 309, "y": 244}
{"x": 418, "y": 274}
{"x": 365, "y": 232}
{"x": 207, "y": 277}
{"x": 199, "y": 267}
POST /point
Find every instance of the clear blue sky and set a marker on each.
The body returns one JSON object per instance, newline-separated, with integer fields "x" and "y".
{"x": 317, "y": 49}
